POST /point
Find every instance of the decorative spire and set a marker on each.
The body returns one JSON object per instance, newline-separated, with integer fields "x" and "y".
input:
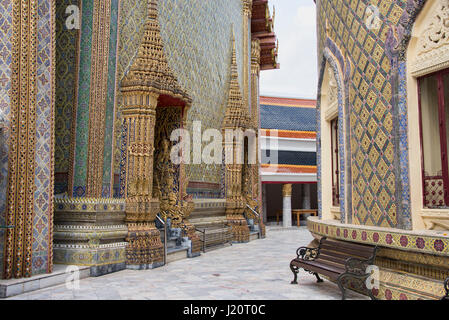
{"x": 150, "y": 70}
{"x": 235, "y": 112}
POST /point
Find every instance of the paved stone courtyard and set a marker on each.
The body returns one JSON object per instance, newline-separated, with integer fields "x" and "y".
{"x": 258, "y": 270}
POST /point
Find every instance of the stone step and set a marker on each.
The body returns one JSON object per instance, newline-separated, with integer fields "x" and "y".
{"x": 175, "y": 254}
{"x": 254, "y": 235}
{"x": 13, "y": 287}
{"x": 218, "y": 246}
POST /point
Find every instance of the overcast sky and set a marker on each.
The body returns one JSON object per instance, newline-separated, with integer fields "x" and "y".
{"x": 295, "y": 27}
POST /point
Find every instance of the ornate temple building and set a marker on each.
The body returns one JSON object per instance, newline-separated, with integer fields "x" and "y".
{"x": 91, "y": 92}
{"x": 384, "y": 100}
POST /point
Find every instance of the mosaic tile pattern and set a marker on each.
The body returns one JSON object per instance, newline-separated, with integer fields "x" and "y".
{"x": 132, "y": 19}
{"x": 84, "y": 101}
{"x": 5, "y": 86}
{"x": 197, "y": 40}
{"x": 203, "y": 45}
{"x": 82, "y": 112}
{"x": 376, "y": 92}
{"x": 43, "y": 209}
{"x": 66, "y": 69}
{"x": 110, "y": 104}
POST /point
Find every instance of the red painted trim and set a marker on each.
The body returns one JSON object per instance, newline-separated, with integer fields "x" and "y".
{"x": 289, "y": 182}
{"x": 169, "y": 101}
{"x": 423, "y": 176}
{"x": 443, "y": 138}
{"x": 335, "y": 168}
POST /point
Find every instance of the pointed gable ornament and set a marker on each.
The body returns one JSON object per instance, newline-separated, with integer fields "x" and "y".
{"x": 236, "y": 115}
{"x": 150, "y": 71}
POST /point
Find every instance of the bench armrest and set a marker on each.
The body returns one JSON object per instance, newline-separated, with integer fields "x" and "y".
{"x": 356, "y": 266}
{"x": 309, "y": 254}
{"x": 359, "y": 266}
{"x": 305, "y": 253}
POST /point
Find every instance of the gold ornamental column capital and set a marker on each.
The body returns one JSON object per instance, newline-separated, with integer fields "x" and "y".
{"x": 287, "y": 190}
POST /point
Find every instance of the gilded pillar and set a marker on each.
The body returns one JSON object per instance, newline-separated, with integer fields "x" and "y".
{"x": 27, "y": 105}
{"x": 149, "y": 79}
{"x": 144, "y": 242}
{"x": 254, "y": 196}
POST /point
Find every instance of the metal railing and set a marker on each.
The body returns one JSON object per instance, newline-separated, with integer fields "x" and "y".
{"x": 258, "y": 218}
{"x": 165, "y": 238}
{"x": 204, "y": 238}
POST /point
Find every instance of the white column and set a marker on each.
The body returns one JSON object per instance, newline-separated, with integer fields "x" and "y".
{"x": 287, "y": 205}
{"x": 306, "y": 199}
{"x": 306, "y": 196}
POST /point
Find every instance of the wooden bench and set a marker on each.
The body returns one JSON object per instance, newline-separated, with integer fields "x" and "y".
{"x": 446, "y": 288}
{"x": 343, "y": 262}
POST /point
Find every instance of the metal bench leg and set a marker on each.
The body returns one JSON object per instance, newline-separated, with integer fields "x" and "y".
{"x": 318, "y": 279}
{"x": 343, "y": 290}
{"x": 295, "y": 273}
{"x": 371, "y": 295}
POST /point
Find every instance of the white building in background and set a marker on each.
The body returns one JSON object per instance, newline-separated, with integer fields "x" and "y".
{"x": 289, "y": 177}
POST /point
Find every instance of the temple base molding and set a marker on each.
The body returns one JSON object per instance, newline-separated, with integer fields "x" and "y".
{"x": 412, "y": 264}
{"x": 145, "y": 249}
{"x": 90, "y": 232}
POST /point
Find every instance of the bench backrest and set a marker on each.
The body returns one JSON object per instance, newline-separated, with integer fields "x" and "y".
{"x": 337, "y": 252}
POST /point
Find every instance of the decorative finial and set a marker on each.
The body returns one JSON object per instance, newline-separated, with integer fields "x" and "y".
{"x": 152, "y": 9}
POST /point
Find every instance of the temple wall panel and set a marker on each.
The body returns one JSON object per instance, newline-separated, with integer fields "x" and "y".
{"x": 375, "y": 88}
{"x": 66, "y": 88}
{"x": 44, "y": 156}
{"x": 78, "y": 175}
{"x": 131, "y": 23}
{"x": 27, "y": 100}
{"x": 90, "y": 162}
{"x": 108, "y": 181}
{"x": 196, "y": 36}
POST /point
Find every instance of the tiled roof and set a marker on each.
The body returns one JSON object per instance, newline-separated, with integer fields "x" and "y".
{"x": 288, "y": 114}
{"x": 287, "y": 118}
{"x": 293, "y": 158}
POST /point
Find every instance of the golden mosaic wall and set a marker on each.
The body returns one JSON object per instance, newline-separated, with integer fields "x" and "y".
{"x": 197, "y": 43}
